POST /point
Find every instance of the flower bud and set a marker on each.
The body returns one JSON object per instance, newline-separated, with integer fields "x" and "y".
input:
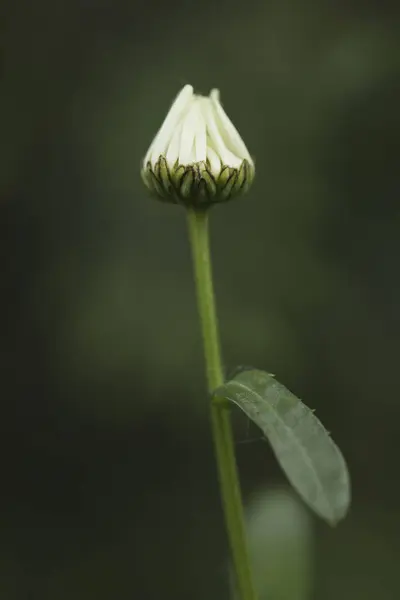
{"x": 197, "y": 157}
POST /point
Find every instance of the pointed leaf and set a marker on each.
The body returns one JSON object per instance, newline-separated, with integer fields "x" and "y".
{"x": 311, "y": 460}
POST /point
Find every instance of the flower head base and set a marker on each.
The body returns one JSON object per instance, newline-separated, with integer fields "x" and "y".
{"x": 197, "y": 157}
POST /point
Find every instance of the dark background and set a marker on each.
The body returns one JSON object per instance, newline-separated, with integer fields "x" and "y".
{"x": 108, "y": 481}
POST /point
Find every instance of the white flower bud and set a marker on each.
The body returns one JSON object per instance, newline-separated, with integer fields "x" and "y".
{"x": 197, "y": 157}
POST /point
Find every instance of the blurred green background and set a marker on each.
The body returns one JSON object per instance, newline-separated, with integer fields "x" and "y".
{"x": 108, "y": 481}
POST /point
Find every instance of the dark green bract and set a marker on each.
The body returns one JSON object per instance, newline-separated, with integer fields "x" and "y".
{"x": 195, "y": 185}
{"x": 311, "y": 460}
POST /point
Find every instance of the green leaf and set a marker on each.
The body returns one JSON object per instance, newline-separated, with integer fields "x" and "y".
{"x": 311, "y": 460}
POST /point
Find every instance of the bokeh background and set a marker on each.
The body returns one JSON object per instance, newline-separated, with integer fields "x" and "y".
{"x": 109, "y": 487}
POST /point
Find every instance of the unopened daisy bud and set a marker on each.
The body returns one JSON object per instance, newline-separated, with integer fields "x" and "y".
{"x": 197, "y": 157}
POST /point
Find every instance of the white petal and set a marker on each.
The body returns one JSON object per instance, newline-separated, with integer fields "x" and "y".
{"x": 228, "y": 131}
{"x": 218, "y": 144}
{"x": 172, "y": 153}
{"x": 193, "y": 138}
{"x": 200, "y": 140}
{"x": 186, "y": 149}
{"x": 215, "y": 163}
{"x": 164, "y": 135}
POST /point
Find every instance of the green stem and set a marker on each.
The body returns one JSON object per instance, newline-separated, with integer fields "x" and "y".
{"x": 220, "y": 416}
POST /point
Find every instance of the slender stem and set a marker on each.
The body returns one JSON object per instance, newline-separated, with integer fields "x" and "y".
{"x": 220, "y": 416}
